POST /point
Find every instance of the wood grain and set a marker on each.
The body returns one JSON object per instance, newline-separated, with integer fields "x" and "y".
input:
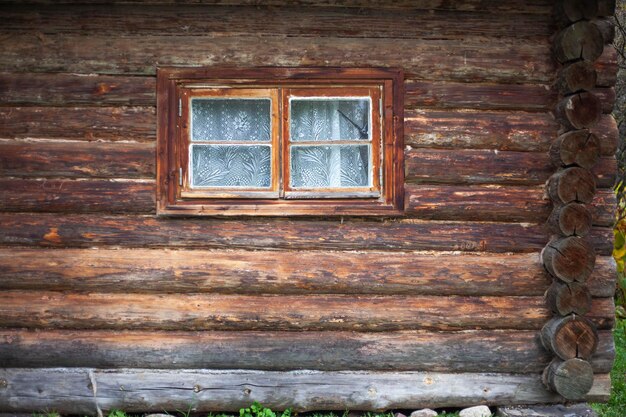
{"x": 214, "y": 390}
{"x": 55, "y": 310}
{"x": 274, "y": 272}
{"x": 466, "y": 351}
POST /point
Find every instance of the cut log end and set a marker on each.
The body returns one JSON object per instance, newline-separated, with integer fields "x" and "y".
{"x": 572, "y": 378}
{"x": 577, "y": 76}
{"x": 570, "y": 11}
{"x": 580, "y": 41}
{"x": 570, "y": 337}
{"x": 572, "y": 219}
{"x": 572, "y": 185}
{"x": 579, "y": 111}
{"x": 576, "y": 148}
{"x": 570, "y": 259}
{"x": 564, "y": 299}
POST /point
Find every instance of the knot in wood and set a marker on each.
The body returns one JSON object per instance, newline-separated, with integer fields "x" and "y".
{"x": 4, "y": 383}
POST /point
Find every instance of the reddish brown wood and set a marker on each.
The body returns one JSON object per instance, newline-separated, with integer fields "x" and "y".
{"x": 578, "y": 147}
{"x": 572, "y": 185}
{"x": 581, "y": 40}
{"x": 564, "y": 299}
{"x": 607, "y": 132}
{"x": 572, "y": 219}
{"x": 570, "y": 259}
{"x": 76, "y": 159}
{"x": 77, "y": 196}
{"x": 606, "y": 97}
{"x": 273, "y": 272}
{"x": 606, "y": 67}
{"x": 579, "y": 111}
{"x": 572, "y": 378}
{"x": 570, "y": 337}
{"x": 482, "y": 350}
{"x": 53, "y": 310}
{"x": 576, "y": 76}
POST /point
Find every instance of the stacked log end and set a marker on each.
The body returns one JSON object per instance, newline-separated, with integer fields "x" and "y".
{"x": 569, "y": 257}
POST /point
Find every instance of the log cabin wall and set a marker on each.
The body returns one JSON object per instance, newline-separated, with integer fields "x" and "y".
{"x": 103, "y": 305}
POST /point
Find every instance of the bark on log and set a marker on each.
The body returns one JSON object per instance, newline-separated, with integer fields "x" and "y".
{"x": 578, "y": 147}
{"x": 564, "y": 299}
{"x": 572, "y": 185}
{"x": 500, "y": 61}
{"x": 581, "y": 40}
{"x": 52, "y": 310}
{"x": 77, "y": 196}
{"x": 572, "y": 378}
{"x": 77, "y": 159}
{"x": 579, "y": 111}
{"x": 569, "y": 259}
{"x": 273, "y": 272}
{"x": 571, "y": 11}
{"x": 570, "y": 337}
{"x": 467, "y": 351}
{"x": 53, "y": 230}
{"x": 67, "y": 390}
{"x": 79, "y": 123}
{"x": 572, "y": 219}
{"x": 575, "y": 77}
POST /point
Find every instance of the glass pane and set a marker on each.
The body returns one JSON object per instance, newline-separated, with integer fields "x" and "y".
{"x": 332, "y": 166}
{"x": 329, "y": 119}
{"x": 230, "y": 119}
{"x": 231, "y": 166}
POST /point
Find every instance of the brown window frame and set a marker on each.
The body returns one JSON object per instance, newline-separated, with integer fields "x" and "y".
{"x": 177, "y": 86}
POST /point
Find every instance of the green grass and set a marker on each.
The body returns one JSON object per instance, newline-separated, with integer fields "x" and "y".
{"x": 617, "y": 403}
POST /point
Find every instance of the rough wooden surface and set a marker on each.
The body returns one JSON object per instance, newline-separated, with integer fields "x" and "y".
{"x": 572, "y": 185}
{"x": 581, "y": 40}
{"x": 572, "y": 378}
{"x": 572, "y": 219}
{"x": 143, "y": 390}
{"x": 466, "y": 351}
{"x": 578, "y": 147}
{"x": 606, "y": 67}
{"x": 576, "y": 76}
{"x": 570, "y": 337}
{"x": 41, "y": 309}
{"x": 272, "y": 272}
{"x": 50, "y": 230}
{"x": 570, "y": 259}
{"x": 564, "y": 299}
{"x": 579, "y": 111}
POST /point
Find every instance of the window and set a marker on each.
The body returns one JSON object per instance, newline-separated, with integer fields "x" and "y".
{"x": 279, "y": 141}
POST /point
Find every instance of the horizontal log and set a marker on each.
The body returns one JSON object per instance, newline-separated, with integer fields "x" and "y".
{"x": 258, "y": 20}
{"x": 490, "y": 167}
{"x": 495, "y": 61}
{"x": 67, "y": 390}
{"x": 42, "y": 89}
{"x": 607, "y": 98}
{"x": 505, "y": 131}
{"x": 606, "y": 67}
{"x": 77, "y": 159}
{"x": 53, "y": 230}
{"x": 102, "y": 123}
{"x": 55, "y": 310}
{"x": 274, "y": 272}
{"x": 495, "y": 203}
{"x": 467, "y": 351}
{"x": 77, "y": 196}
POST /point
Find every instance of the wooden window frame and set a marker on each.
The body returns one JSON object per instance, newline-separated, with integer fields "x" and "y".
{"x": 175, "y": 86}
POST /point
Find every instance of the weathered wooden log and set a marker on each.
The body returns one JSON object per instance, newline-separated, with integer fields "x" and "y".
{"x": 570, "y": 337}
{"x": 271, "y": 272}
{"x": 77, "y": 159}
{"x": 572, "y": 185}
{"x": 67, "y": 390}
{"x": 481, "y": 166}
{"x": 570, "y": 259}
{"x": 572, "y": 378}
{"x": 606, "y": 68}
{"x": 467, "y": 351}
{"x": 581, "y": 40}
{"x": 54, "y": 230}
{"x": 607, "y": 132}
{"x": 495, "y": 203}
{"x": 606, "y": 7}
{"x": 577, "y": 76}
{"x": 578, "y": 147}
{"x": 571, "y": 11}
{"x": 499, "y": 61}
{"x": 77, "y": 196}
{"x": 564, "y": 299}
{"x": 579, "y": 111}
{"x": 607, "y": 29}
{"x": 52, "y": 310}
{"x": 79, "y": 123}
{"x": 572, "y": 219}
{"x": 606, "y": 97}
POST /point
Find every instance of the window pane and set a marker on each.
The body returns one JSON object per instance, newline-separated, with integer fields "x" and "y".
{"x": 231, "y": 166}
{"x": 230, "y": 119}
{"x": 332, "y": 166}
{"x": 329, "y": 119}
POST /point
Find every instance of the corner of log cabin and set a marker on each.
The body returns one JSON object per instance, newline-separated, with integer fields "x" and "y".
{"x": 499, "y": 263}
